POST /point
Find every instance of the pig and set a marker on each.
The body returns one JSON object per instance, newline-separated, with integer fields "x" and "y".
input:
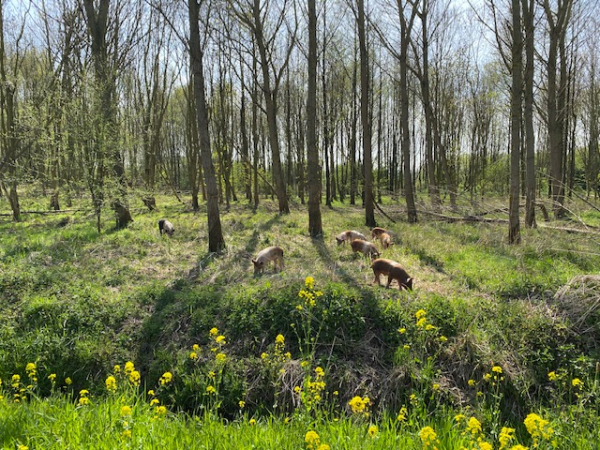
{"x": 263, "y": 258}
{"x": 394, "y": 271}
{"x": 349, "y": 236}
{"x": 386, "y": 240}
{"x": 377, "y": 231}
{"x": 164, "y": 226}
{"x": 366, "y": 248}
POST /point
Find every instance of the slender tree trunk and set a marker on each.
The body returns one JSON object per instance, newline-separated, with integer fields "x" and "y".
{"x": 514, "y": 230}
{"x": 528, "y": 18}
{"x": 365, "y": 79}
{"x": 315, "y": 228}
{"x": 216, "y": 243}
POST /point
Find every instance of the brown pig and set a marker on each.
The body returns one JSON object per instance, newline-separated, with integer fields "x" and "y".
{"x": 263, "y": 258}
{"x": 377, "y": 231}
{"x": 394, "y": 271}
{"x": 366, "y": 248}
{"x": 386, "y": 240}
{"x": 349, "y": 235}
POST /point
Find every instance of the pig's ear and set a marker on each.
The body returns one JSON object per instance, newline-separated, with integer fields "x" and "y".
{"x": 254, "y": 262}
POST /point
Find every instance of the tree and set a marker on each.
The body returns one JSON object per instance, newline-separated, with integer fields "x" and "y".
{"x": 253, "y": 14}
{"x": 529, "y": 27}
{"x": 216, "y": 243}
{"x": 315, "y": 227}
{"x": 514, "y": 233}
{"x": 365, "y": 116}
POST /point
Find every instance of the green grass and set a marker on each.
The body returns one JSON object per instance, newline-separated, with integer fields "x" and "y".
{"x": 76, "y": 302}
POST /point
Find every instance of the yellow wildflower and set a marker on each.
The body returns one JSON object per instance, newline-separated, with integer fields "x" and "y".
{"x": 220, "y": 340}
{"x": 214, "y": 331}
{"x": 221, "y": 357}
{"x": 459, "y": 417}
{"x": 195, "y": 347}
{"x": 154, "y": 402}
{"x": 401, "y": 330}
{"x": 474, "y": 426}
{"x": 30, "y": 367}
{"x": 421, "y": 322}
{"x": 506, "y": 435}
{"x": 471, "y": 383}
{"x": 84, "y": 401}
{"x": 323, "y": 447}
{"x": 420, "y": 314}
{"x": 280, "y": 339}
{"x": 117, "y": 369}
{"x": 151, "y": 393}
{"x": 436, "y": 387}
{"x": 428, "y": 437}
{"x": 309, "y": 282}
{"x": 312, "y": 440}
{"x": 126, "y": 434}
{"x": 252, "y": 422}
{"x": 111, "y": 383}
{"x": 485, "y": 445}
{"x": 51, "y": 377}
{"x": 241, "y": 404}
{"x": 264, "y": 355}
{"x": 193, "y": 355}
{"x": 443, "y": 338}
{"x": 552, "y": 376}
{"x": 497, "y": 369}
{"x": 135, "y": 377}
{"x": 22, "y": 447}
{"x": 373, "y": 430}
{"x": 402, "y": 414}
{"x": 319, "y": 371}
{"x": 538, "y": 428}
{"x": 129, "y": 367}
{"x": 576, "y": 382}
{"x": 125, "y": 411}
{"x": 359, "y": 405}
{"x": 68, "y": 381}
{"x": 166, "y": 378}
{"x": 161, "y": 410}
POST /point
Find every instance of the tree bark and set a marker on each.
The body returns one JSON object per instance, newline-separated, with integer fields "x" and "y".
{"x": 315, "y": 227}
{"x": 216, "y": 243}
{"x": 514, "y": 230}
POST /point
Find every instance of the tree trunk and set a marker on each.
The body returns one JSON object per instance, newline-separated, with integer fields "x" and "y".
{"x": 216, "y": 243}
{"x": 528, "y": 19}
{"x": 365, "y": 116}
{"x": 514, "y": 231}
{"x": 315, "y": 228}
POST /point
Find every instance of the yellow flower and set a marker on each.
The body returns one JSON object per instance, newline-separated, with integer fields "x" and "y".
{"x": 428, "y": 437}
{"x": 518, "y": 447}
{"x": 22, "y": 447}
{"x": 154, "y": 402}
{"x": 429, "y": 327}
{"x": 443, "y": 338}
{"x": 459, "y": 417}
{"x": 323, "y": 447}
{"x": 30, "y": 367}
{"x": 359, "y": 405}
{"x": 51, "y": 377}
{"x": 299, "y": 307}
{"x": 319, "y": 371}
{"x": 193, "y": 355}
{"x": 287, "y": 420}
{"x": 166, "y": 378}
{"x": 506, "y": 435}
{"x": 576, "y": 382}
{"x": 210, "y": 390}
{"x": 151, "y": 393}
{"x": 220, "y": 340}
{"x": 195, "y": 347}
{"x": 280, "y": 339}
{"x": 297, "y": 389}
{"x": 373, "y": 430}
{"x": 68, "y": 381}
{"x": 111, "y": 383}
{"x": 117, "y": 369}
{"x": 401, "y": 330}
{"x": 419, "y": 315}
{"x": 421, "y": 322}
{"x": 221, "y": 357}
{"x": 211, "y": 374}
{"x": 264, "y": 355}
{"x": 125, "y": 411}
{"x": 304, "y": 364}
{"x": 242, "y": 403}
{"x": 436, "y": 387}
{"x": 309, "y": 282}
{"x": 214, "y": 331}
{"x": 129, "y": 367}
{"x": 552, "y": 376}
{"x": 161, "y": 410}
{"x": 126, "y": 434}
{"x": 84, "y": 392}
{"x": 471, "y": 383}
{"x": 252, "y": 422}
{"x": 497, "y": 369}
{"x": 312, "y": 440}
{"x": 402, "y": 414}
{"x": 487, "y": 377}
{"x": 16, "y": 379}
{"x": 135, "y": 377}
{"x": 83, "y": 401}
{"x": 406, "y": 347}
{"x": 538, "y": 427}
{"x": 485, "y": 445}
{"x": 473, "y": 426}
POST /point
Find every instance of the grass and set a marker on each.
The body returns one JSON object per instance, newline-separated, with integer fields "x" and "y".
{"x": 76, "y": 302}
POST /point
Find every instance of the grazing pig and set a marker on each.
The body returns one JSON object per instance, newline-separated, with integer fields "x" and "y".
{"x": 394, "y": 271}
{"x": 377, "y": 231}
{"x": 366, "y": 248}
{"x": 263, "y": 258}
{"x": 164, "y": 226}
{"x": 386, "y": 240}
{"x": 349, "y": 236}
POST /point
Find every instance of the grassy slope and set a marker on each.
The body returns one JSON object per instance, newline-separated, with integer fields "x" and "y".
{"x": 78, "y": 302}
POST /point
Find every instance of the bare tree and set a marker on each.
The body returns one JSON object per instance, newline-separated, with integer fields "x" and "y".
{"x": 255, "y": 16}
{"x": 365, "y": 115}
{"x": 315, "y": 227}
{"x": 216, "y": 243}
